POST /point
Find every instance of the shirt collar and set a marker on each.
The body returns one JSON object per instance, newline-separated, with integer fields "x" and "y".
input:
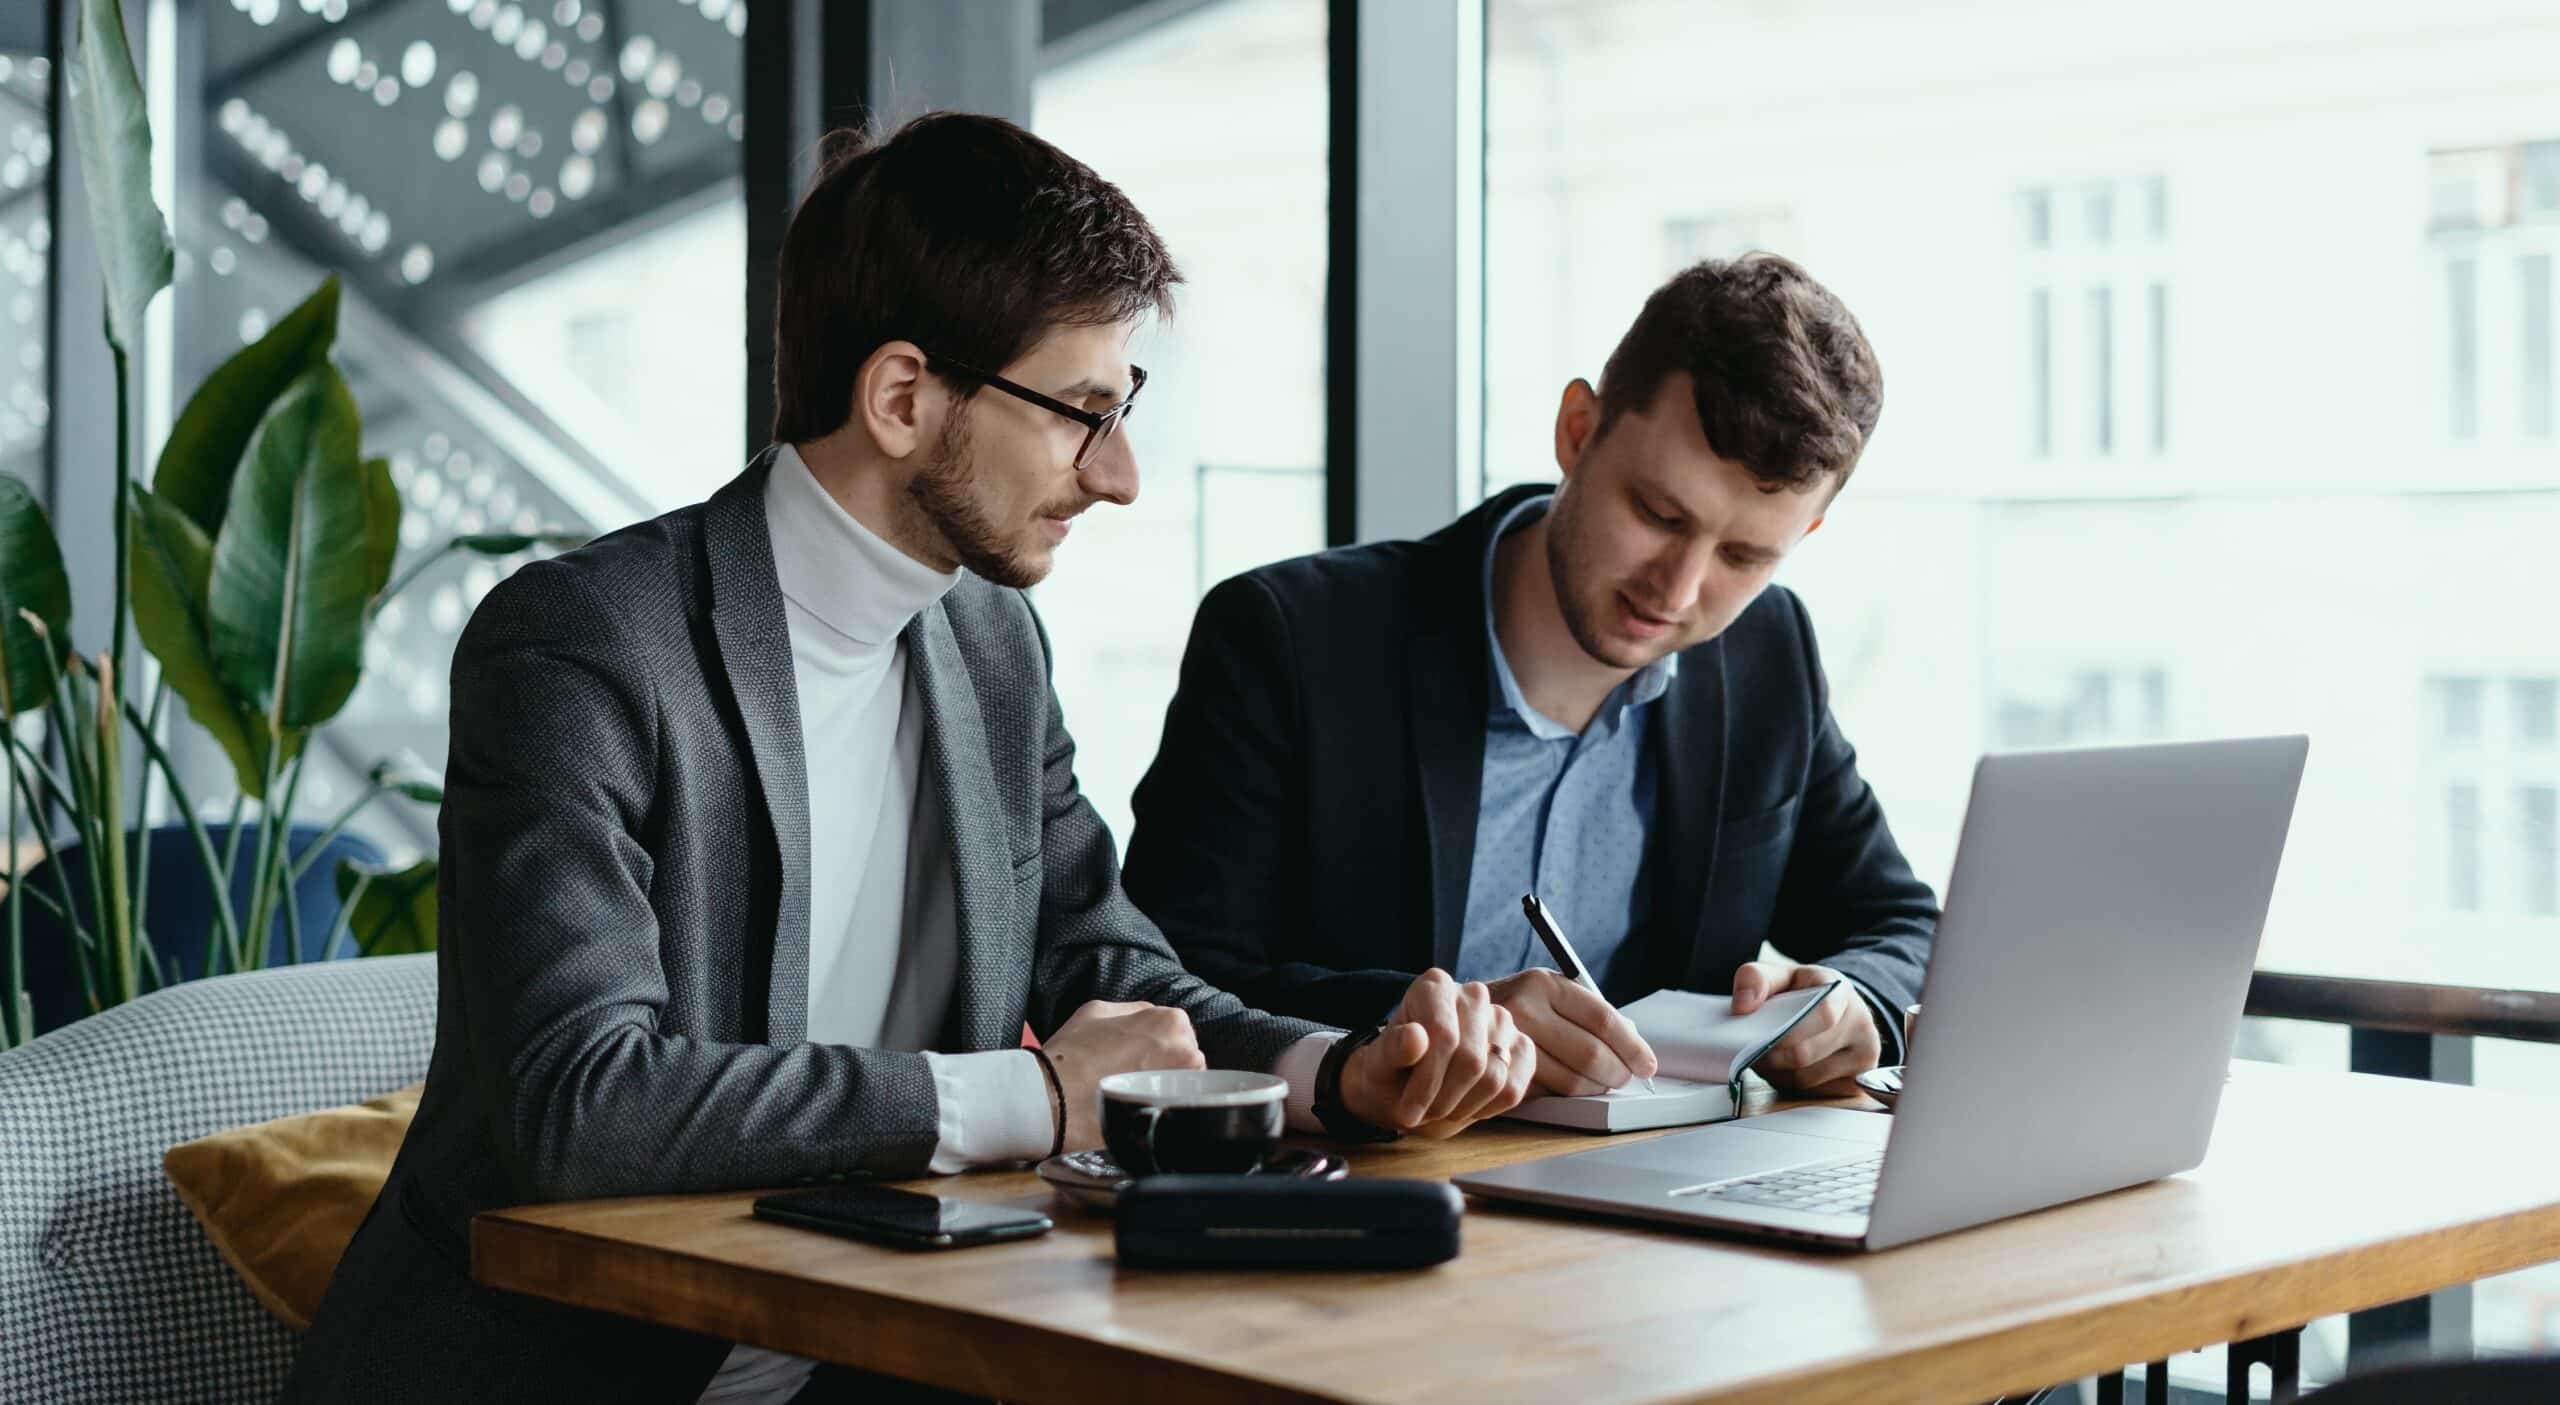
{"x": 1645, "y": 685}
{"x": 837, "y": 569}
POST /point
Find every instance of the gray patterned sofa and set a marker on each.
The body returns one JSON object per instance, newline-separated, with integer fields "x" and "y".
{"x": 108, "y": 1289}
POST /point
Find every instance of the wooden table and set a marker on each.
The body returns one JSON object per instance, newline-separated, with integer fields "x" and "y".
{"x": 2325, "y": 1193}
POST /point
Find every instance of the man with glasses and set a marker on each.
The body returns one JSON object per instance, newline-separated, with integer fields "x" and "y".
{"x": 761, "y": 835}
{"x": 1587, "y": 689}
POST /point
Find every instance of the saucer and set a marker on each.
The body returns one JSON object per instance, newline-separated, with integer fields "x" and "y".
{"x": 1093, "y": 1180}
{"x": 1882, "y": 1084}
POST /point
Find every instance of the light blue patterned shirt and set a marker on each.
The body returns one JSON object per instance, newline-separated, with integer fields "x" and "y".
{"x": 1562, "y": 814}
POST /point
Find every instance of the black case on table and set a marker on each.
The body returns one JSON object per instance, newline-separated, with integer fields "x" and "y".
{"x": 1270, "y": 1221}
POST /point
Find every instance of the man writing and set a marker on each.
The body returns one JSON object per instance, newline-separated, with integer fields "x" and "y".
{"x": 762, "y": 839}
{"x": 1590, "y": 690}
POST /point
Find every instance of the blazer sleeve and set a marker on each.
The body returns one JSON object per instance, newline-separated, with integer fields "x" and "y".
{"x": 550, "y": 943}
{"x": 1095, "y": 944}
{"x": 1849, "y": 899}
{"x": 1219, "y": 855}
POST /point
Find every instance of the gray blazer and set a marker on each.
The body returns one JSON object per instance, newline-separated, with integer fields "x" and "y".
{"x": 624, "y": 942}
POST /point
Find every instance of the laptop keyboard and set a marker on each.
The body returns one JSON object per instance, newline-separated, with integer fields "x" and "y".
{"x": 1823, "y": 1188}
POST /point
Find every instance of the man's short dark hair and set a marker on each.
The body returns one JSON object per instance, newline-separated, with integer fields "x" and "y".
{"x": 1784, "y": 380}
{"x": 962, "y": 233}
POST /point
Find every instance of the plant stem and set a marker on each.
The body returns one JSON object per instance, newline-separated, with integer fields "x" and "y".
{"x": 151, "y": 968}
{"x": 15, "y": 1029}
{"x": 86, "y": 950}
{"x": 114, "y": 679}
{"x": 258, "y": 912}
{"x": 312, "y": 853}
{"x": 416, "y": 569}
{"x": 231, "y": 865}
{"x": 142, "y": 817}
{"x": 123, "y": 963}
{"x": 225, "y": 923}
{"x": 65, "y": 918}
{"x": 84, "y": 815}
{"x": 57, "y": 790}
{"x": 291, "y": 896}
{"x": 347, "y": 916}
{"x": 52, "y": 860}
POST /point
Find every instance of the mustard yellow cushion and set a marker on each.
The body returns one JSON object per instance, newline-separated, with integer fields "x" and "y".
{"x": 281, "y": 1199}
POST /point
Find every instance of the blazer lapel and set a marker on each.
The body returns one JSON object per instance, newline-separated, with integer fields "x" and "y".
{"x": 1450, "y": 687}
{"x": 957, "y": 765}
{"x": 1448, "y": 751}
{"x": 755, "y": 649}
{"x": 1689, "y": 745}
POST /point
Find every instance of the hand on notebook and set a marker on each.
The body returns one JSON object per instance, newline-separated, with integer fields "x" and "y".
{"x": 1829, "y": 1047}
{"x": 1584, "y": 1045}
{"x": 1450, "y": 1057}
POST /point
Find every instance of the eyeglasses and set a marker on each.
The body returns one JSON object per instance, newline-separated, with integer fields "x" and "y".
{"x": 1099, "y": 426}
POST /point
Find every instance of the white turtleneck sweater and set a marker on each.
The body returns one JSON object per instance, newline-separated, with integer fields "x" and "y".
{"x": 884, "y": 935}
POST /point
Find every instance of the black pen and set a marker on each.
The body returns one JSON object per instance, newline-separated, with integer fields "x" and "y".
{"x": 1567, "y": 960}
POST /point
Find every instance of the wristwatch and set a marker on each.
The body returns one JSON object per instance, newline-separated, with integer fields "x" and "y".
{"x": 1338, "y": 1121}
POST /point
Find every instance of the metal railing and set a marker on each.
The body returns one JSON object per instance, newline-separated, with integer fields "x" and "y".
{"x": 2409, "y": 1029}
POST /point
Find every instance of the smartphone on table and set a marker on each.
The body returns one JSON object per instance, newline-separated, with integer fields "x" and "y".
{"x": 901, "y": 1218}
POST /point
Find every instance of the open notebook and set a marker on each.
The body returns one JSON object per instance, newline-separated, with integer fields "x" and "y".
{"x": 1704, "y": 1048}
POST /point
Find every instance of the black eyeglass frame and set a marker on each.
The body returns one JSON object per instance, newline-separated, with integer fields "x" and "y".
{"x": 1099, "y": 425}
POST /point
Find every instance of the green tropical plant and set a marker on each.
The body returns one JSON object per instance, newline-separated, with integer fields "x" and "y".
{"x": 252, "y": 568}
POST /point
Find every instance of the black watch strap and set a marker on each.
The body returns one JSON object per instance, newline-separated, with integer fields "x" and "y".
{"x": 1337, "y": 1119}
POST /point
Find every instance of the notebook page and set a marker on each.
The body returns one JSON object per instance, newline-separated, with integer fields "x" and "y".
{"x": 1698, "y": 1037}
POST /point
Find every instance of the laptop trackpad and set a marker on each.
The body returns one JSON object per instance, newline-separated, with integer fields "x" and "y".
{"x": 1716, "y": 1153}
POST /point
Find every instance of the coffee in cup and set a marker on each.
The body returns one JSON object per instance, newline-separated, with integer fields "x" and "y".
{"x": 1193, "y": 1120}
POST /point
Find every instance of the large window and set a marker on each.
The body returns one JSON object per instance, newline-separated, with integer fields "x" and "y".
{"x": 2218, "y": 353}
{"x": 2214, "y": 405}
{"x": 1230, "y": 437}
{"x": 2493, "y": 229}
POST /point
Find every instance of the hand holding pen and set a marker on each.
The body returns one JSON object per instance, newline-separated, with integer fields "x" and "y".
{"x": 1584, "y": 1045}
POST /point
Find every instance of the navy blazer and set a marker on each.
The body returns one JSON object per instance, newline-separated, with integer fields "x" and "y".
{"x": 1307, "y": 830}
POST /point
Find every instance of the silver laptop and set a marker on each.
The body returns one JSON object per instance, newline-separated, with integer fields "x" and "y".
{"x": 2082, "y": 997}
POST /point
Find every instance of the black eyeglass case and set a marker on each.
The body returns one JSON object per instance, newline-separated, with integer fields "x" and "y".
{"x": 1271, "y": 1222}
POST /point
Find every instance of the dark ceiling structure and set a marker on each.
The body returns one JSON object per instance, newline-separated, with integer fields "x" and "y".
{"x": 436, "y": 154}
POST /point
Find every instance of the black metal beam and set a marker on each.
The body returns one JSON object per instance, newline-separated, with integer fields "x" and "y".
{"x": 626, "y": 152}
{"x": 229, "y": 83}
{"x": 616, "y": 215}
{"x": 814, "y": 65}
{"x": 804, "y": 62}
{"x": 1342, "y": 276}
{"x": 291, "y": 220}
{"x": 23, "y": 28}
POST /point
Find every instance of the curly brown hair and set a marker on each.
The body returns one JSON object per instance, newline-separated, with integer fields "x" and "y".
{"x": 1784, "y": 380}
{"x": 962, "y": 233}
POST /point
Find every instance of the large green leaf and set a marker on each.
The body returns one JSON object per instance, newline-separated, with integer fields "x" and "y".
{"x": 206, "y": 444}
{"x": 395, "y": 913}
{"x": 32, "y": 579}
{"x": 113, "y": 129}
{"x": 171, "y": 569}
{"x": 304, "y": 548}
